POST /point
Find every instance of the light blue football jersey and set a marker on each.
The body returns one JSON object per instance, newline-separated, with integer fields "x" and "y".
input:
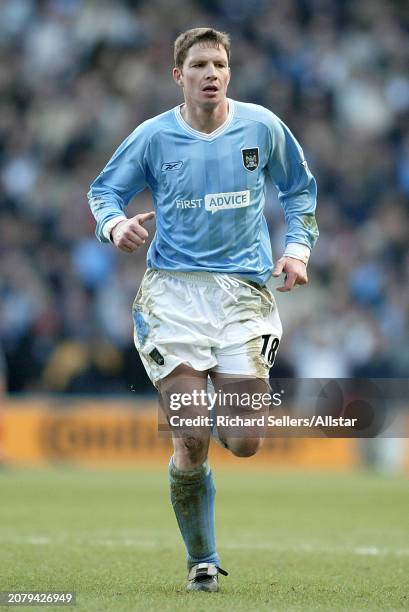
{"x": 209, "y": 190}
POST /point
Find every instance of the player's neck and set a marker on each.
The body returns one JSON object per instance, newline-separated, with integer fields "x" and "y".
{"x": 205, "y": 120}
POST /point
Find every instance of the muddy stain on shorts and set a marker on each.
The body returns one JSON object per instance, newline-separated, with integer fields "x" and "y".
{"x": 253, "y": 350}
{"x": 140, "y": 316}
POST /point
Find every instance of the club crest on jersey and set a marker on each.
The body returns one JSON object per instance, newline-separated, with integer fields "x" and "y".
{"x": 250, "y": 158}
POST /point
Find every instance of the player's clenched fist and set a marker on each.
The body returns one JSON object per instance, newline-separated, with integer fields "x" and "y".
{"x": 128, "y": 235}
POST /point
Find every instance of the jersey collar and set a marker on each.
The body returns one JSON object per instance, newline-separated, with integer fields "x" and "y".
{"x": 220, "y": 130}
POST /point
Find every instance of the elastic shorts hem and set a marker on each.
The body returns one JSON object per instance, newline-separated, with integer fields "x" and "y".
{"x": 235, "y": 372}
{"x": 164, "y": 373}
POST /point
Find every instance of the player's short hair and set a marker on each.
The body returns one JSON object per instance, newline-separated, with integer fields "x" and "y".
{"x": 199, "y": 35}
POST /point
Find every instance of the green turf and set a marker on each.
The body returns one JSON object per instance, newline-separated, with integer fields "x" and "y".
{"x": 290, "y": 541}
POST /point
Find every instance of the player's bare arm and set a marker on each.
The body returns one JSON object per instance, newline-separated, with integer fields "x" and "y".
{"x": 295, "y": 272}
{"x": 129, "y": 234}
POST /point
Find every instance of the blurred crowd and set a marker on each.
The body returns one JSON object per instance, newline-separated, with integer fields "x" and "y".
{"x": 76, "y": 77}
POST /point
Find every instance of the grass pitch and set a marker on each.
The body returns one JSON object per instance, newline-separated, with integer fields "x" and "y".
{"x": 290, "y": 541}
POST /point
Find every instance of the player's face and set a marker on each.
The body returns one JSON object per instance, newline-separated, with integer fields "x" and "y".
{"x": 205, "y": 75}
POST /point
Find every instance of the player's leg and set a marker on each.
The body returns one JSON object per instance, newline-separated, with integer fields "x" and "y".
{"x": 191, "y": 480}
{"x": 247, "y": 398}
{"x": 183, "y": 397}
{"x": 250, "y": 339}
{"x": 174, "y": 319}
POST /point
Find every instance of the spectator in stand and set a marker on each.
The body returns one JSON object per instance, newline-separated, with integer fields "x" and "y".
{"x": 81, "y": 75}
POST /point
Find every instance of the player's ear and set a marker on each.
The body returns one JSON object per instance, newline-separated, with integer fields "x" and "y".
{"x": 177, "y": 76}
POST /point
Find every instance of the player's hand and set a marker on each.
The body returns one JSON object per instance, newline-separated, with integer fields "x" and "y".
{"x": 295, "y": 273}
{"x": 128, "y": 235}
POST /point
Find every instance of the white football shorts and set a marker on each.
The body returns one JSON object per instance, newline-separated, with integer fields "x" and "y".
{"x": 207, "y": 321}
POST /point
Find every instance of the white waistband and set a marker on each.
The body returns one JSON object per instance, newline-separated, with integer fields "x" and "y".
{"x": 224, "y": 281}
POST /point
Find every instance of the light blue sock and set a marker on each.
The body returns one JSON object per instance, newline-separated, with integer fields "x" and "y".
{"x": 192, "y": 493}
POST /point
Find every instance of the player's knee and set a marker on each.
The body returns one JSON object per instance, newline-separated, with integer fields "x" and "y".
{"x": 193, "y": 448}
{"x": 244, "y": 447}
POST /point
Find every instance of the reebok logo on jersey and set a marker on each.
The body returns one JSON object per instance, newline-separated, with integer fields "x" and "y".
{"x": 222, "y": 201}
{"x": 167, "y": 166}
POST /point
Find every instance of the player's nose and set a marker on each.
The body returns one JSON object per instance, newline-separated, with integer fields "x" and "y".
{"x": 210, "y": 71}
